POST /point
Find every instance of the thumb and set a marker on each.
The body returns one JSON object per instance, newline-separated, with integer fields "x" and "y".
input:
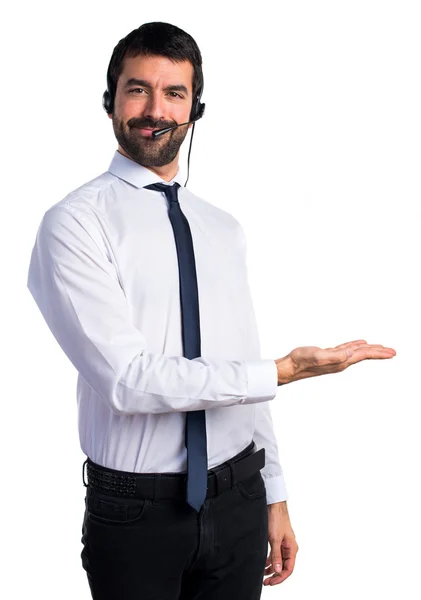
{"x": 339, "y": 355}
{"x": 349, "y": 352}
{"x": 344, "y": 354}
{"x": 277, "y": 563}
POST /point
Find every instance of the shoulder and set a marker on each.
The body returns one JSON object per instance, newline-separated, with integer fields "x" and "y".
{"x": 80, "y": 213}
{"x": 85, "y": 206}
{"x": 89, "y": 195}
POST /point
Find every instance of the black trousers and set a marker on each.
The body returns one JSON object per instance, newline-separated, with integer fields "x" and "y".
{"x": 148, "y": 549}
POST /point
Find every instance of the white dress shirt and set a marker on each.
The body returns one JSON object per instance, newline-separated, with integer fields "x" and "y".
{"x": 104, "y": 274}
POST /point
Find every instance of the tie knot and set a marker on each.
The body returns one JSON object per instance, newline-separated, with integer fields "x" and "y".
{"x": 169, "y": 190}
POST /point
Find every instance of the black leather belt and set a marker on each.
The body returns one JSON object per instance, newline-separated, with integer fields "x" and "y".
{"x": 170, "y": 485}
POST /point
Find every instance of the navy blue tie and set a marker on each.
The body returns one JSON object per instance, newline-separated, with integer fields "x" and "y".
{"x": 195, "y": 434}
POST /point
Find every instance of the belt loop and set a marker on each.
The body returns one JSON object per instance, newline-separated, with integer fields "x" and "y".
{"x": 83, "y": 473}
{"x": 233, "y": 477}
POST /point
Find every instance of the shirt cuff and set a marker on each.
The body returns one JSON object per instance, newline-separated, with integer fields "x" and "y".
{"x": 276, "y": 490}
{"x": 262, "y": 379}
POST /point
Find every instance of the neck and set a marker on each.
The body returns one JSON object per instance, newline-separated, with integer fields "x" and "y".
{"x": 166, "y": 172}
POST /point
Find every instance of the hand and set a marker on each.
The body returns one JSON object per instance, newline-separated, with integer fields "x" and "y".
{"x": 283, "y": 546}
{"x": 310, "y": 361}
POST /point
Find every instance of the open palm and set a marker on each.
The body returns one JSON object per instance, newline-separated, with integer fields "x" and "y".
{"x": 310, "y": 361}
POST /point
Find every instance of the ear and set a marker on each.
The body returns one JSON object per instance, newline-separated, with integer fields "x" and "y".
{"x": 110, "y": 116}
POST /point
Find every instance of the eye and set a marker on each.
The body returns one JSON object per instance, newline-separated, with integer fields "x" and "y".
{"x": 142, "y": 90}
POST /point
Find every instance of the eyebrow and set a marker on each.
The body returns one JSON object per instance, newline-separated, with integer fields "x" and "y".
{"x": 143, "y": 83}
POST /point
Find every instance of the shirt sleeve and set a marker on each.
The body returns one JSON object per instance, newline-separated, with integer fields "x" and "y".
{"x": 264, "y": 437}
{"x": 77, "y": 289}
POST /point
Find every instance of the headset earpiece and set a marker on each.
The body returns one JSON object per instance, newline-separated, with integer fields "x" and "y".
{"x": 198, "y": 107}
{"x": 106, "y": 102}
{"x": 108, "y": 96}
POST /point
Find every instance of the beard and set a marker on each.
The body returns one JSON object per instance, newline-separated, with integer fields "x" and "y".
{"x": 147, "y": 151}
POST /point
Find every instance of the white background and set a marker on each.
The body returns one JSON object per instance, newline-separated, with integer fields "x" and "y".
{"x": 311, "y": 139}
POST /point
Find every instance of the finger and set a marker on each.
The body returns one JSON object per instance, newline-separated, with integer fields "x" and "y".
{"x": 348, "y": 343}
{"x": 269, "y": 569}
{"x": 354, "y": 344}
{"x": 380, "y": 346}
{"x": 371, "y": 352}
{"x": 287, "y": 569}
{"x": 275, "y": 579}
{"x": 370, "y": 347}
{"x": 352, "y": 355}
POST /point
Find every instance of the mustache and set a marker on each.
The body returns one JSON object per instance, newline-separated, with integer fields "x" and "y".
{"x": 145, "y": 123}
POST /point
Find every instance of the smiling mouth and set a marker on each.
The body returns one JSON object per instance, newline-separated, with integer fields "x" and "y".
{"x": 145, "y": 131}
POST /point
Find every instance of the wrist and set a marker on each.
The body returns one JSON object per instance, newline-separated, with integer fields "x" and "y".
{"x": 285, "y": 370}
{"x": 279, "y": 508}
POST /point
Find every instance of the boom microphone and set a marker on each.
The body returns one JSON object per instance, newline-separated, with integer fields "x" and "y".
{"x": 159, "y": 132}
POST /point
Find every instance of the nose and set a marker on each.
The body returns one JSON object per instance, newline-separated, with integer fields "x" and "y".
{"x": 154, "y": 108}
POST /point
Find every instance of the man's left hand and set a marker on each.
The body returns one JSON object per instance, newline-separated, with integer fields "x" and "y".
{"x": 281, "y": 560}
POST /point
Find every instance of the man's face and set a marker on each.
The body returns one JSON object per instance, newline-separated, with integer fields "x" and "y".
{"x": 161, "y": 98}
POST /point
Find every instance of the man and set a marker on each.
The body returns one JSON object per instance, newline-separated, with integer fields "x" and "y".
{"x": 108, "y": 272}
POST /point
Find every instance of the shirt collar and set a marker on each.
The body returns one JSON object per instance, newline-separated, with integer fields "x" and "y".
{"x": 138, "y": 175}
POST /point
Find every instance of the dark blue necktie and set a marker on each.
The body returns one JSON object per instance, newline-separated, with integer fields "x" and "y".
{"x": 195, "y": 434}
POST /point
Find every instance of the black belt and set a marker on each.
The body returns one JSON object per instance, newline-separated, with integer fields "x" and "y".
{"x": 170, "y": 485}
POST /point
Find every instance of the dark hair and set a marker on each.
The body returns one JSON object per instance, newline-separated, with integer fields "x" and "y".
{"x": 156, "y": 39}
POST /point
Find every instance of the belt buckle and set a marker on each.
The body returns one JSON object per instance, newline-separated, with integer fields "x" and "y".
{"x": 223, "y": 479}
